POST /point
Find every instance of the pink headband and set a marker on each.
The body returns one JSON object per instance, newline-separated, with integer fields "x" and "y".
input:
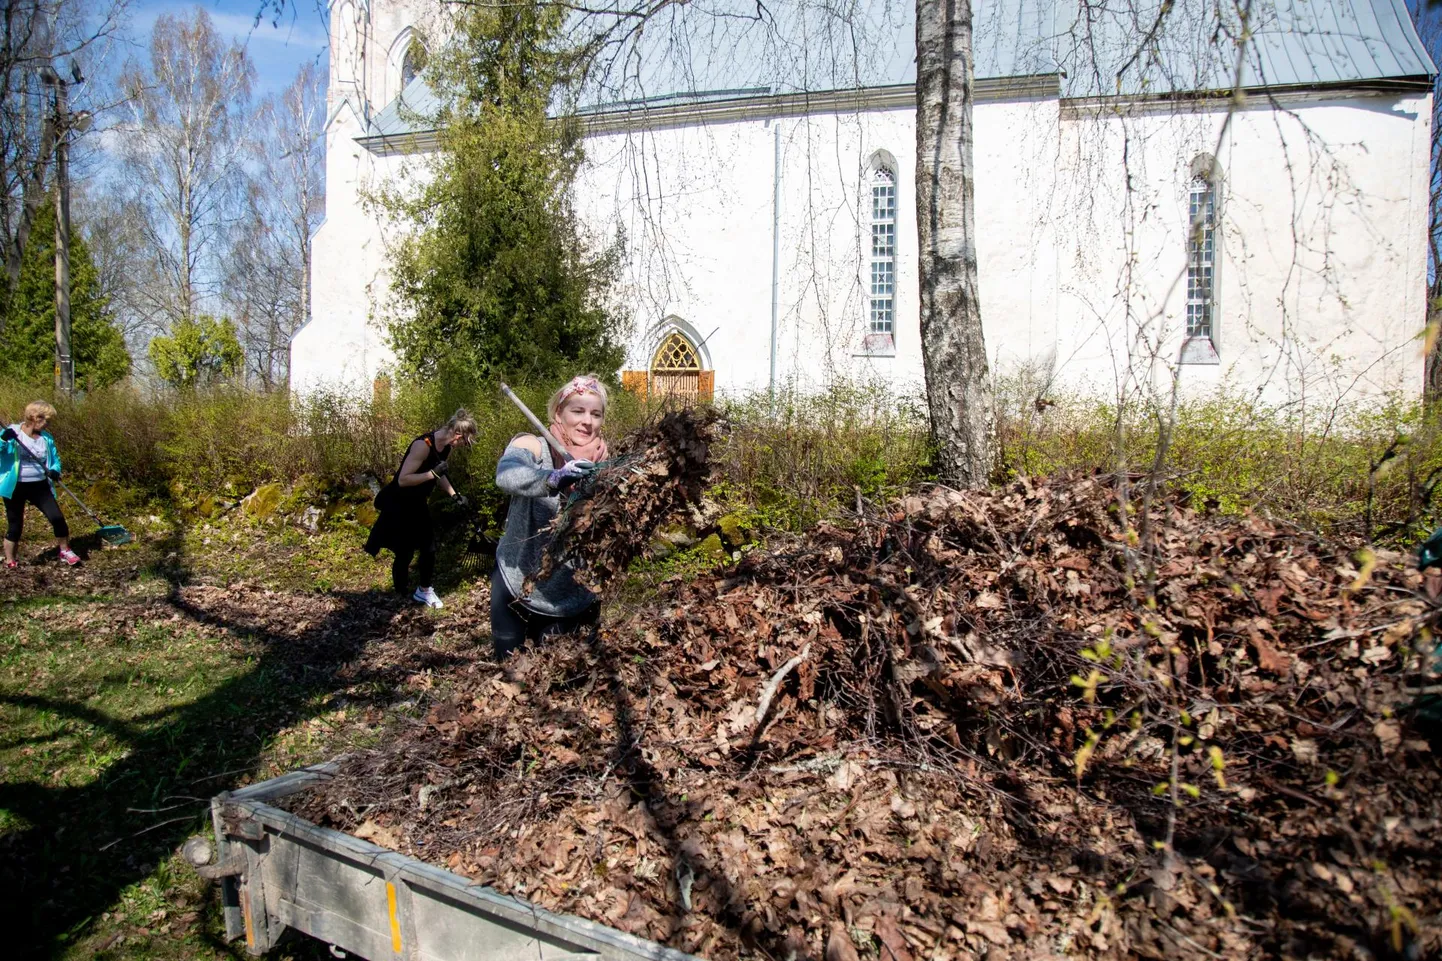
{"x": 579, "y": 385}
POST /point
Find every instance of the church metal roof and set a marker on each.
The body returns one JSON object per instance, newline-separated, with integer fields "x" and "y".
{"x": 1295, "y": 43}
{"x": 706, "y": 50}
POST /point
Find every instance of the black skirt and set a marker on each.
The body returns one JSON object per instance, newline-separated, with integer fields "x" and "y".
{"x": 404, "y": 526}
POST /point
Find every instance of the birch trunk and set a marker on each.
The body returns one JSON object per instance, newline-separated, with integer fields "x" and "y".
{"x": 958, "y": 382}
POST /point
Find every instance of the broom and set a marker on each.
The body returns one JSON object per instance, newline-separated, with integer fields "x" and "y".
{"x": 112, "y": 534}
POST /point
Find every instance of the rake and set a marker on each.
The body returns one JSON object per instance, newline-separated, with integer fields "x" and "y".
{"x": 112, "y": 534}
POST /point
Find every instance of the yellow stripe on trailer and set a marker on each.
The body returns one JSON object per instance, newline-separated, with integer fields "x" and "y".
{"x": 395, "y": 919}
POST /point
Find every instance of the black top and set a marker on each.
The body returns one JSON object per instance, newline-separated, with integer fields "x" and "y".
{"x": 404, "y": 521}
{"x": 421, "y": 492}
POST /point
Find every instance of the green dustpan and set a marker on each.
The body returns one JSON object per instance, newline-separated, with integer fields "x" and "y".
{"x": 1430, "y": 553}
{"x": 115, "y": 535}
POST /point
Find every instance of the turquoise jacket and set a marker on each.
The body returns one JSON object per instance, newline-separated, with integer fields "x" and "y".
{"x": 10, "y": 462}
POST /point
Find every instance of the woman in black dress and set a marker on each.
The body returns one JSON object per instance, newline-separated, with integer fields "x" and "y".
{"x": 404, "y": 525}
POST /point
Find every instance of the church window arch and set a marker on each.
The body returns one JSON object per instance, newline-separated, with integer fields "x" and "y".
{"x": 413, "y": 61}
{"x": 407, "y": 58}
{"x": 676, "y": 354}
{"x": 676, "y": 369}
{"x": 1200, "y": 343}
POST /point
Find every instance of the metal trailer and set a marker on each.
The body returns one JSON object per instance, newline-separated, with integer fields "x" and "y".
{"x": 277, "y": 870}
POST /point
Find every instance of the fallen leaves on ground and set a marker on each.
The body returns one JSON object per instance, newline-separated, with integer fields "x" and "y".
{"x": 1025, "y": 723}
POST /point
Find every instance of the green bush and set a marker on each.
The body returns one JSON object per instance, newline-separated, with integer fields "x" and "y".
{"x": 198, "y": 352}
{"x": 110, "y": 435}
{"x": 1364, "y": 471}
{"x": 807, "y": 455}
{"x": 1367, "y": 472}
{"x": 222, "y": 441}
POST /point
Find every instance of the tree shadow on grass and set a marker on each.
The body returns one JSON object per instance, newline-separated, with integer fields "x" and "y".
{"x": 83, "y": 846}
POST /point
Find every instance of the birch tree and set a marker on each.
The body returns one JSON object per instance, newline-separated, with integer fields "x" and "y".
{"x": 183, "y": 152}
{"x": 268, "y": 270}
{"x": 958, "y": 381}
{"x": 112, "y": 226}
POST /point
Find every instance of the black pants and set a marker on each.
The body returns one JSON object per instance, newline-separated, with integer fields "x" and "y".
{"x": 39, "y": 494}
{"x": 425, "y": 568}
{"x": 512, "y": 624}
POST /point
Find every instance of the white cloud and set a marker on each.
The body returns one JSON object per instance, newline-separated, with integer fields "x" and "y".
{"x": 298, "y": 34}
{"x": 302, "y": 34}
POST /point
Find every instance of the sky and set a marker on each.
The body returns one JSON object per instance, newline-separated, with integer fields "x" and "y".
{"x": 277, "y": 45}
{"x": 1431, "y": 23}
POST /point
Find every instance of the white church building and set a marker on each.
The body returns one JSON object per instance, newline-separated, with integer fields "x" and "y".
{"x": 1151, "y": 200}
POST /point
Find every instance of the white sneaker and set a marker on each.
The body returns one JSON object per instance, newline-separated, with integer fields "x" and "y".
{"x": 427, "y": 596}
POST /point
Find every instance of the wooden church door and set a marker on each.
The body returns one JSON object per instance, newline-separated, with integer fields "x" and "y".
{"x": 675, "y": 375}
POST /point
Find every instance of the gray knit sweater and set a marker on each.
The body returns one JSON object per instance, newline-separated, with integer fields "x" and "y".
{"x": 523, "y": 475}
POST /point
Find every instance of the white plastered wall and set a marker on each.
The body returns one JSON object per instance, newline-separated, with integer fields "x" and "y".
{"x": 1321, "y": 262}
{"x": 343, "y": 346}
{"x": 1322, "y": 248}
{"x": 699, "y": 242}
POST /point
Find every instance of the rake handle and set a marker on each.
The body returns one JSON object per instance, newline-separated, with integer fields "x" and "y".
{"x": 25, "y": 452}
{"x": 93, "y": 516}
{"x": 536, "y": 422}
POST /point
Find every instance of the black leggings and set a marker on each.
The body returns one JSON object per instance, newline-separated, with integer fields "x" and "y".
{"x": 512, "y": 624}
{"x": 425, "y": 568}
{"x": 39, "y": 494}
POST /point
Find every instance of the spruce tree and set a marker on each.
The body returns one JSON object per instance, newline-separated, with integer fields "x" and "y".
{"x": 494, "y": 280}
{"x": 27, "y": 346}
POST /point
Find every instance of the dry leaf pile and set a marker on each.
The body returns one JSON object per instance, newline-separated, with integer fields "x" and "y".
{"x": 983, "y": 725}
{"x": 662, "y": 468}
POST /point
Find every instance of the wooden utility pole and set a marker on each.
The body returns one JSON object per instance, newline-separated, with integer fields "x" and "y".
{"x": 64, "y": 122}
{"x": 64, "y": 360}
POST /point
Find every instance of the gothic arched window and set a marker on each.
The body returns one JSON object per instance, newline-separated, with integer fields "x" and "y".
{"x": 676, "y": 371}
{"x": 1201, "y": 256}
{"x": 413, "y": 62}
{"x": 883, "y": 252}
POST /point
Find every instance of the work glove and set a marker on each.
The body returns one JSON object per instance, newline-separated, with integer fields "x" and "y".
{"x": 53, "y": 474}
{"x": 8, "y": 434}
{"x": 564, "y": 478}
{"x": 461, "y": 501}
{"x": 440, "y": 469}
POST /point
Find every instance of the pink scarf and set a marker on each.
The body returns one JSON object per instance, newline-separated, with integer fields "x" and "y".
{"x": 595, "y": 451}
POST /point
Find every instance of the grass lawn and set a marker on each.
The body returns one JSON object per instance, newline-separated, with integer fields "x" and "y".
{"x": 154, "y": 676}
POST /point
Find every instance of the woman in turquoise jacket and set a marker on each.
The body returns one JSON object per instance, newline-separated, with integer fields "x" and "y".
{"x": 28, "y": 463}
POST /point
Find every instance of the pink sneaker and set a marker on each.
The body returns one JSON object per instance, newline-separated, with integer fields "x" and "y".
{"x": 70, "y": 557}
{"x": 11, "y": 565}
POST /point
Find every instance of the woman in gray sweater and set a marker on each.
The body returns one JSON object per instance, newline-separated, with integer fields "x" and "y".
{"x": 537, "y": 478}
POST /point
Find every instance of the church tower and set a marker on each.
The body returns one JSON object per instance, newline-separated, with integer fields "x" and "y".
{"x": 377, "y": 47}
{"x": 349, "y": 20}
